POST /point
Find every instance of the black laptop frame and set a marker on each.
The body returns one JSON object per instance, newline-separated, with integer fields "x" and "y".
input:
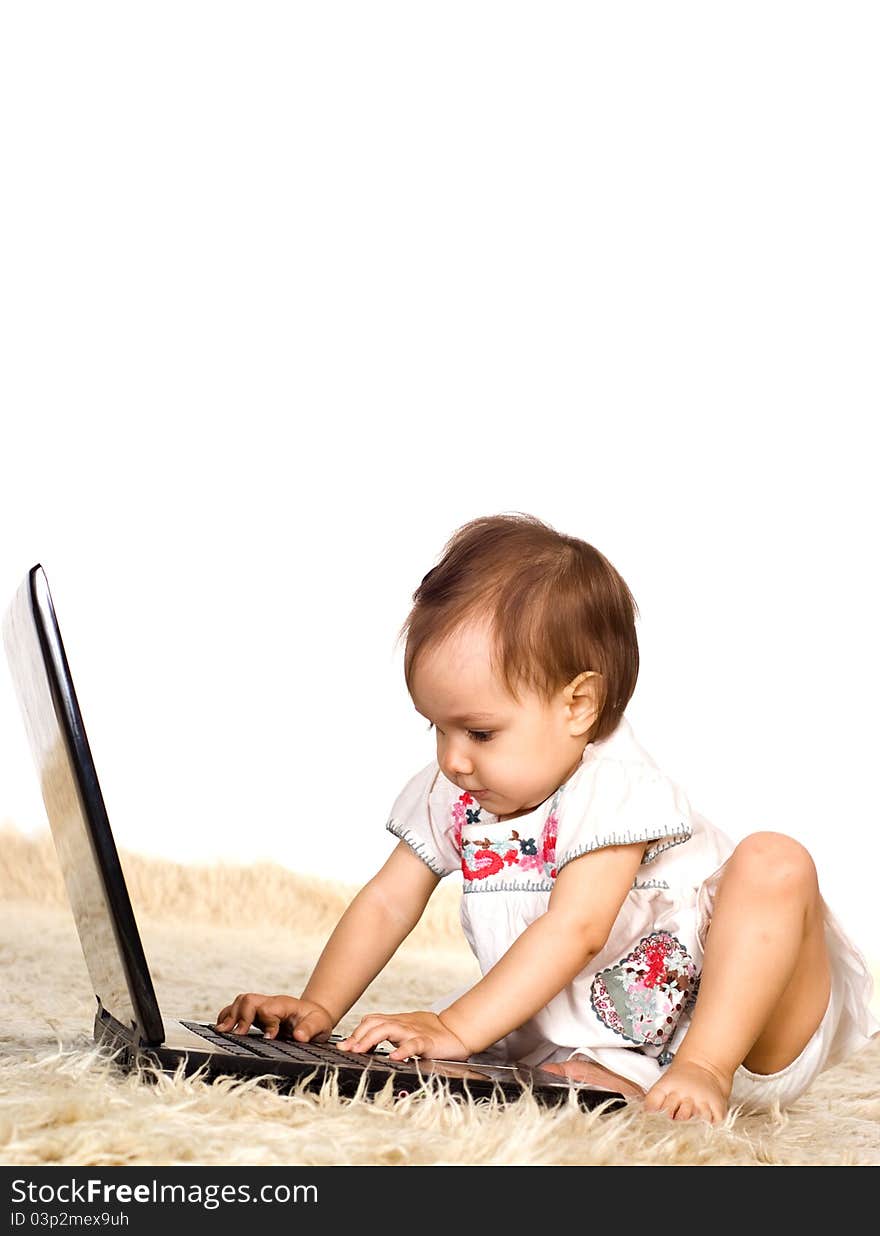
{"x": 35, "y": 599}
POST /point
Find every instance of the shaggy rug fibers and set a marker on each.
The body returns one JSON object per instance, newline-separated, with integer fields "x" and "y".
{"x": 214, "y": 931}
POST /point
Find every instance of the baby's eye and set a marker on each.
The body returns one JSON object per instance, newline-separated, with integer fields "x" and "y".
{"x": 477, "y": 735}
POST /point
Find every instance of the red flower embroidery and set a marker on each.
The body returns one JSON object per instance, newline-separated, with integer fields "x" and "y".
{"x": 511, "y": 856}
{"x": 655, "y": 954}
{"x": 465, "y": 798}
{"x": 487, "y": 862}
{"x": 548, "y": 839}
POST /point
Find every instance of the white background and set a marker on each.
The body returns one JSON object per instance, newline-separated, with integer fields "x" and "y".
{"x": 291, "y": 291}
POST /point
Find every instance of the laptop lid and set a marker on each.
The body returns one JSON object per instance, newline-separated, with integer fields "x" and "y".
{"x": 77, "y": 816}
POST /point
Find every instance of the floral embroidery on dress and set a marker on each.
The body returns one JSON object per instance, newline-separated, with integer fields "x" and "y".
{"x": 642, "y": 998}
{"x": 462, "y": 814}
{"x": 483, "y": 857}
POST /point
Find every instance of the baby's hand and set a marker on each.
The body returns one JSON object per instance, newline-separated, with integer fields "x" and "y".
{"x": 284, "y": 1015}
{"x": 416, "y": 1034}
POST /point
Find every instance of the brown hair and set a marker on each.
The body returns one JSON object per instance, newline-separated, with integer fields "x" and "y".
{"x": 556, "y": 607}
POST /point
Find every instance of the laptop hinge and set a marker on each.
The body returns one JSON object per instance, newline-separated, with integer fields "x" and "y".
{"x": 104, "y": 1020}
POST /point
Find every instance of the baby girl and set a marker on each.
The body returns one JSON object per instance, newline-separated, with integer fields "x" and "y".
{"x": 623, "y": 939}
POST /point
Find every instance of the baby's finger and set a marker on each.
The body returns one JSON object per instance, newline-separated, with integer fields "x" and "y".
{"x": 363, "y": 1028}
{"x": 369, "y": 1022}
{"x": 411, "y": 1047}
{"x": 229, "y": 1015}
{"x": 222, "y": 1015}
{"x": 243, "y": 1016}
{"x": 366, "y": 1040}
{"x": 306, "y": 1027}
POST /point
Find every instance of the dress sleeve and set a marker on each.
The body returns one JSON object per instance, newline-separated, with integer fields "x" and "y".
{"x": 615, "y": 802}
{"x": 424, "y": 816}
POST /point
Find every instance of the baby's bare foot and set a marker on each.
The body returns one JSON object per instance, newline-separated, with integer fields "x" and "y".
{"x": 581, "y": 1070}
{"x": 690, "y": 1091}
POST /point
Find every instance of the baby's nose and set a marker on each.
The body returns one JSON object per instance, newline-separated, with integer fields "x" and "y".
{"x": 457, "y": 766}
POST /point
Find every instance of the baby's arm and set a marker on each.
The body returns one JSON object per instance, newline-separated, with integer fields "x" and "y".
{"x": 371, "y": 930}
{"x": 369, "y": 933}
{"x": 586, "y": 899}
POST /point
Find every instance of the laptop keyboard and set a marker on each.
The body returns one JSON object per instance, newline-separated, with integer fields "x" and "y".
{"x": 306, "y": 1053}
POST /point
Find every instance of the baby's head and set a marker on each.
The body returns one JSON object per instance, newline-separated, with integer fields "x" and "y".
{"x": 521, "y": 649}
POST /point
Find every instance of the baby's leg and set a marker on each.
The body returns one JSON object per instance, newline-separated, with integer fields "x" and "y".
{"x": 580, "y": 1069}
{"x": 765, "y": 983}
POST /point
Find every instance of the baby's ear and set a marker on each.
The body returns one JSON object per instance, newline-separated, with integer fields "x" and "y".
{"x": 584, "y": 698}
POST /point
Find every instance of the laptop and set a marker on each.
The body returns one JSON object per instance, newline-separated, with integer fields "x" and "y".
{"x": 128, "y": 1020}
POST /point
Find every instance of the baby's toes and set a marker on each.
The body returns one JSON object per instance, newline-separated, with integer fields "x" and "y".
{"x": 671, "y": 1104}
{"x": 656, "y": 1098}
{"x": 716, "y": 1113}
{"x": 685, "y": 1110}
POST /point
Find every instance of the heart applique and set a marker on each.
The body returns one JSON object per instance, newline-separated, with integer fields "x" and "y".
{"x": 643, "y": 997}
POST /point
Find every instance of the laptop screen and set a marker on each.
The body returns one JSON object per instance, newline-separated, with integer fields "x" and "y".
{"x": 75, "y": 807}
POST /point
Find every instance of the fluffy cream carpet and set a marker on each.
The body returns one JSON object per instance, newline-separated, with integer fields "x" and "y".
{"x": 213, "y": 931}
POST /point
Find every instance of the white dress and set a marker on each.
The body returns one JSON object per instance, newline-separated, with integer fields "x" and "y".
{"x": 629, "y": 1008}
